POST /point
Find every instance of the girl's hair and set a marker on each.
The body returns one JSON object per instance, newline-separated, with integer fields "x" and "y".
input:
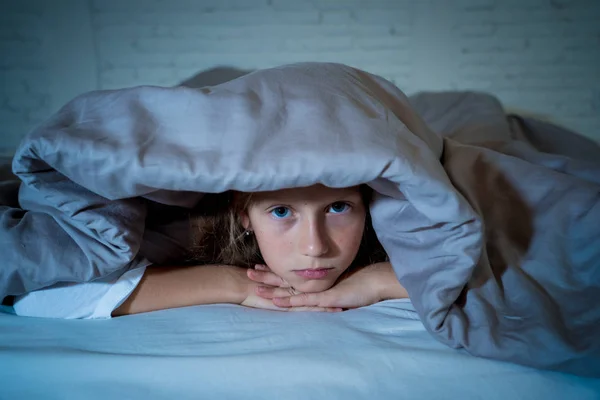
{"x": 220, "y": 238}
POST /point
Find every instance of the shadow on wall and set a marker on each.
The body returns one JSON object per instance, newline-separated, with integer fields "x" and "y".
{"x": 214, "y": 76}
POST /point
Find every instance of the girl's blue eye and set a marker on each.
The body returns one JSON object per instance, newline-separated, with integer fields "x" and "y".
{"x": 281, "y": 212}
{"x": 339, "y": 207}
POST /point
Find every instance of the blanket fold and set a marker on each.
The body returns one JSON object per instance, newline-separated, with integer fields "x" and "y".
{"x": 497, "y": 243}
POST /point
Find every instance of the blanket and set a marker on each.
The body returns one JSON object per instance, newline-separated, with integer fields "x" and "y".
{"x": 496, "y": 242}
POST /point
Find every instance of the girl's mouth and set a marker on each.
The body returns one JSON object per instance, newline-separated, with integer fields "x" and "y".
{"x": 319, "y": 273}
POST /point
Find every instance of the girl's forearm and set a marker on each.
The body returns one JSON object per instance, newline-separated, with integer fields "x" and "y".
{"x": 390, "y": 287}
{"x": 162, "y": 287}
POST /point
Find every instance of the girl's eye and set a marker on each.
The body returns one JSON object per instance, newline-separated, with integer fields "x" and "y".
{"x": 339, "y": 207}
{"x": 281, "y": 212}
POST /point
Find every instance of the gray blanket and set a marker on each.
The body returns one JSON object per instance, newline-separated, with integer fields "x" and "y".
{"x": 497, "y": 242}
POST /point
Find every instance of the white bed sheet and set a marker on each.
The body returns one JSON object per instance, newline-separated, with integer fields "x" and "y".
{"x": 232, "y": 352}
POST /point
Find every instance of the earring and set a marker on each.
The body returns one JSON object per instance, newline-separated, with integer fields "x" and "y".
{"x": 248, "y": 233}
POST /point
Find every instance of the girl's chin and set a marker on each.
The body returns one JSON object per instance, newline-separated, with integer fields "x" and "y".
{"x": 313, "y": 286}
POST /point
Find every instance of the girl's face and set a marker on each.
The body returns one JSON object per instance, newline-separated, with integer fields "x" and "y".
{"x": 307, "y": 236}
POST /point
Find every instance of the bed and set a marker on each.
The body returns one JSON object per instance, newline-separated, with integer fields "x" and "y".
{"x": 231, "y": 352}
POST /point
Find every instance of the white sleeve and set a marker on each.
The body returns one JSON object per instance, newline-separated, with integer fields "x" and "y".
{"x": 90, "y": 300}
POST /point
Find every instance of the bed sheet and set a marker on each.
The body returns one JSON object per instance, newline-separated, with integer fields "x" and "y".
{"x": 233, "y": 352}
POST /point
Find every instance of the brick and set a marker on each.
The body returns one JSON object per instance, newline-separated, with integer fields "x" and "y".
{"x": 20, "y": 52}
{"x": 23, "y": 81}
{"x": 503, "y": 82}
{"x": 400, "y": 29}
{"x": 529, "y": 30}
{"x": 259, "y": 32}
{"x": 175, "y": 5}
{"x": 21, "y": 19}
{"x": 512, "y": 16}
{"x": 118, "y": 75}
{"x": 21, "y": 61}
{"x": 332, "y": 43}
{"x": 543, "y": 70}
{"x": 127, "y": 32}
{"x": 12, "y": 31}
{"x": 38, "y": 116}
{"x": 477, "y": 30}
{"x": 234, "y": 18}
{"x": 396, "y": 17}
{"x": 12, "y": 133}
{"x": 300, "y": 31}
{"x": 343, "y": 39}
{"x": 123, "y": 49}
{"x": 118, "y": 33}
{"x": 11, "y": 8}
{"x": 387, "y": 4}
{"x": 361, "y": 5}
{"x": 337, "y": 17}
{"x": 369, "y": 57}
{"x": 26, "y": 101}
{"x": 546, "y": 96}
{"x": 510, "y": 5}
{"x": 580, "y": 44}
{"x": 526, "y": 59}
{"x": 8, "y": 114}
{"x": 560, "y": 5}
{"x": 185, "y": 61}
{"x": 403, "y": 69}
{"x": 385, "y": 42}
{"x": 337, "y": 4}
{"x": 115, "y": 85}
{"x": 548, "y": 45}
{"x": 176, "y": 46}
{"x": 579, "y": 109}
{"x": 496, "y": 46}
{"x": 10, "y": 47}
{"x": 292, "y": 5}
{"x": 156, "y": 74}
{"x": 475, "y": 4}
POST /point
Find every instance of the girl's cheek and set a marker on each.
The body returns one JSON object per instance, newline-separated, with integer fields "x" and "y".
{"x": 272, "y": 240}
{"x": 352, "y": 226}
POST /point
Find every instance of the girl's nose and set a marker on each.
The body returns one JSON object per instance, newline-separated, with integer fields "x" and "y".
{"x": 313, "y": 239}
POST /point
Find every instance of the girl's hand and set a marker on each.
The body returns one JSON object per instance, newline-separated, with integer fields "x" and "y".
{"x": 262, "y": 277}
{"x": 363, "y": 287}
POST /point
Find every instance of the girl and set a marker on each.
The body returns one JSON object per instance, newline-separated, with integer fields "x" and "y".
{"x": 294, "y": 249}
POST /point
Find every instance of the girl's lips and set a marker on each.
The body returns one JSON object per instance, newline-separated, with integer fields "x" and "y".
{"x": 313, "y": 273}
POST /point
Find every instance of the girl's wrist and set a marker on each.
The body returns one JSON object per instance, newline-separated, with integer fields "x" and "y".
{"x": 388, "y": 286}
{"x": 236, "y": 284}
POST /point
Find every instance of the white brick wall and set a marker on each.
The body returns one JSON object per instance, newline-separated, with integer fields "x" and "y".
{"x": 542, "y": 56}
{"x": 24, "y": 78}
{"x": 47, "y": 57}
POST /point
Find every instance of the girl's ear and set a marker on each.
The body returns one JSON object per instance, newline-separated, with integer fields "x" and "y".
{"x": 245, "y": 219}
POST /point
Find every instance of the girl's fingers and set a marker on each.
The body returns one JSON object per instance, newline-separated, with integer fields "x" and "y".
{"x": 265, "y": 268}
{"x": 301, "y": 300}
{"x": 267, "y": 278}
{"x": 267, "y": 292}
{"x": 265, "y": 304}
